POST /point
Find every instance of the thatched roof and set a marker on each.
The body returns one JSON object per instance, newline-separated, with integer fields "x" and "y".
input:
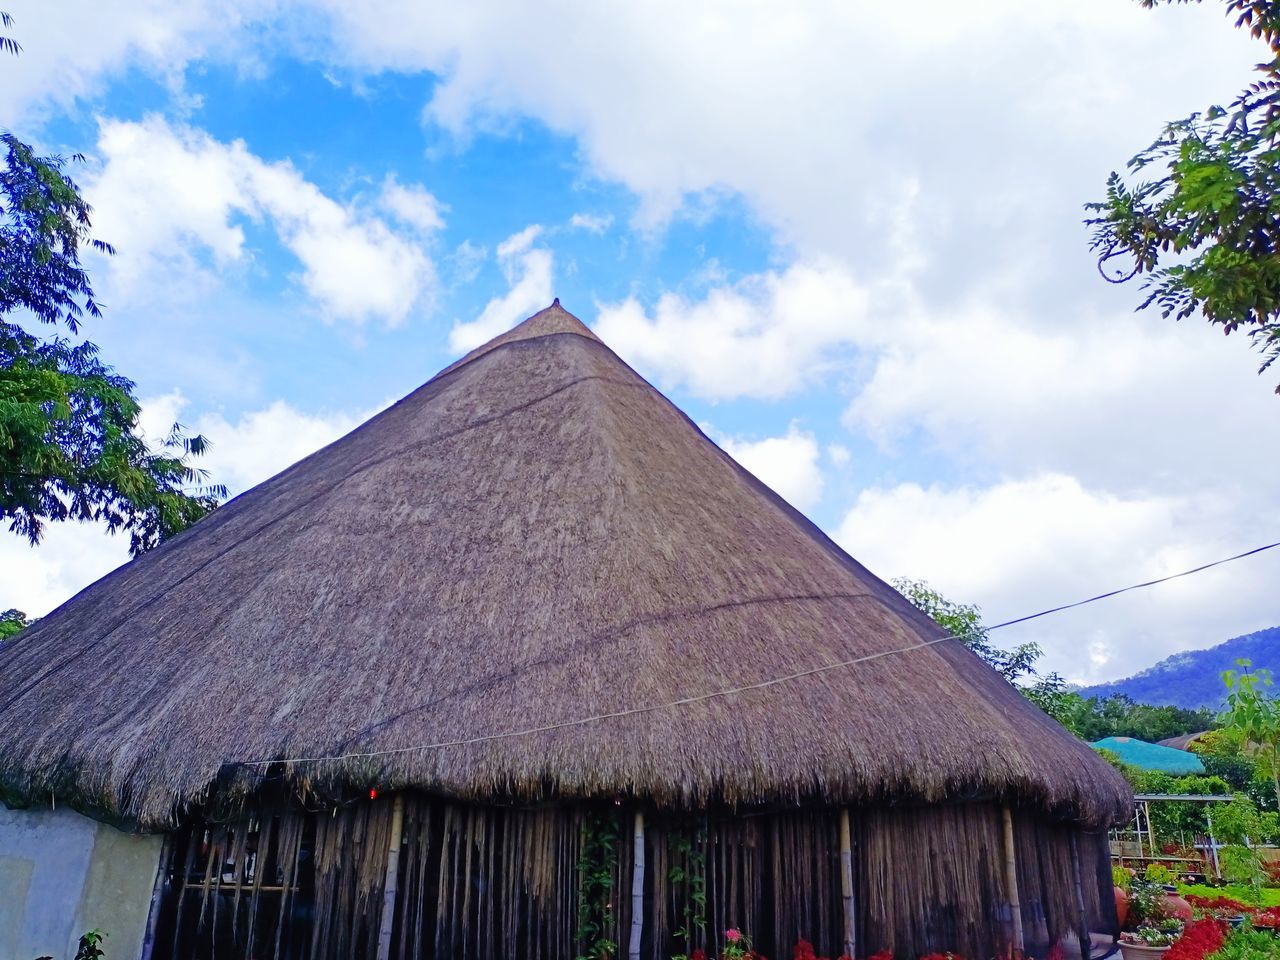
{"x": 535, "y": 535}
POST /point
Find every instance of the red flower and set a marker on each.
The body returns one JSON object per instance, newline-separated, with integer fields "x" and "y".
{"x": 1199, "y": 939}
{"x": 882, "y": 955}
{"x": 1268, "y": 919}
{"x": 698, "y": 954}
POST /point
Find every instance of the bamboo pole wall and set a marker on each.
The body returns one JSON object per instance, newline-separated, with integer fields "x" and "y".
{"x": 502, "y": 883}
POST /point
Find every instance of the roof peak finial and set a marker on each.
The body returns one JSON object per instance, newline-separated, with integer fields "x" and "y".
{"x": 555, "y": 302}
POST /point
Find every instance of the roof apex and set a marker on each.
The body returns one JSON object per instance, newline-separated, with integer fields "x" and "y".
{"x": 547, "y": 322}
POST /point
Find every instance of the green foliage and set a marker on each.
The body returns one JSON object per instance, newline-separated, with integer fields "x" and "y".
{"x": 11, "y": 621}
{"x": 1120, "y": 716}
{"x": 1146, "y": 902}
{"x": 964, "y": 622}
{"x": 1249, "y": 944}
{"x": 1120, "y": 877}
{"x": 1253, "y": 716}
{"x": 1240, "y": 821}
{"x": 89, "y": 947}
{"x": 1158, "y": 873}
{"x": 8, "y": 44}
{"x": 693, "y": 876}
{"x": 70, "y": 446}
{"x": 1224, "y": 754}
{"x": 1204, "y": 228}
{"x": 1242, "y": 867}
{"x": 1270, "y": 895}
{"x": 1169, "y": 818}
{"x": 1089, "y": 719}
{"x": 597, "y": 863}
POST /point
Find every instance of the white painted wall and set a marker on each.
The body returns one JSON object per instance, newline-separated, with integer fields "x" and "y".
{"x": 62, "y": 874}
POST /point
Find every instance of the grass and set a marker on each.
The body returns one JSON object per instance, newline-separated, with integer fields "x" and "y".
{"x": 1270, "y": 895}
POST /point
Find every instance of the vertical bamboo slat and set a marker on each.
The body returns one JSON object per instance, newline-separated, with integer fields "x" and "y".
{"x": 1011, "y": 878}
{"x": 637, "y": 887}
{"x": 846, "y": 884}
{"x": 392, "y": 879}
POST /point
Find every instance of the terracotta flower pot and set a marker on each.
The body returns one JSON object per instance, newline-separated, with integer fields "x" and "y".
{"x": 1176, "y": 906}
{"x": 1122, "y": 905}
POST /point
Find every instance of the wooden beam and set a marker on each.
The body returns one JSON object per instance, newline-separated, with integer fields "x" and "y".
{"x": 1011, "y": 879}
{"x": 392, "y": 878}
{"x": 167, "y": 852}
{"x": 1082, "y": 915}
{"x": 637, "y": 888}
{"x": 846, "y": 884}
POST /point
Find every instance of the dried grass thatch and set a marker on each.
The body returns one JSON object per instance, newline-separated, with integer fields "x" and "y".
{"x": 534, "y": 536}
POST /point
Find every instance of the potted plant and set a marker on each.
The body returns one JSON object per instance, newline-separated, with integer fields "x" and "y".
{"x": 1150, "y": 940}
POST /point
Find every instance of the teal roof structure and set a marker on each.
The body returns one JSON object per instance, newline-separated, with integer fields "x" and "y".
{"x": 1150, "y": 756}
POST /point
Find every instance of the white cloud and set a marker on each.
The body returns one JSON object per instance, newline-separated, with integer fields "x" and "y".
{"x": 591, "y": 222}
{"x": 975, "y": 327}
{"x": 787, "y": 464}
{"x": 528, "y": 270}
{"x": 167, "y": 195}
{"x": 1133, "y": 403}
{"x": 412, "y": 204}
{"x": 766, "y": 336}
{"x": 1019, "y": 546}
{"x": 243, "y": 452}
{"x": 70, "y": 47}
{"x": 260, "y": 443}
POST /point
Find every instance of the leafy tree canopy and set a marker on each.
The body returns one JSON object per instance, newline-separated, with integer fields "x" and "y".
{"x": 1200, "y": 216}
{"x": 70, "y": 442}
{"x": 11, "y": 621}
{"x": 1089, "y": 719}
{"x": 1253, "y": 716}
{"x": 964, "y": 621}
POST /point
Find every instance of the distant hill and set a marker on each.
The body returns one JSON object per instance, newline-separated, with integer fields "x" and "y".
{"x": 1194, "y": 679}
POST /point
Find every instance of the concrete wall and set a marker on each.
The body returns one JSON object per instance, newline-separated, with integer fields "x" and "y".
{"x": 62, "y": 874}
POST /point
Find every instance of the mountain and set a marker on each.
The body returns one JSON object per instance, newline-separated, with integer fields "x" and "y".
{"x": 1194, "y": 678}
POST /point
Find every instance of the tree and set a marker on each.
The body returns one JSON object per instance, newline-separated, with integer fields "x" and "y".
{"x": 1253, "y": 715}
{"x": 70, "y": 442}
{"x": 1205, "y": 230}
{"x": 11, "y": 621}
{"x": 8, "y": 44}
{"x": 964, "y": 622}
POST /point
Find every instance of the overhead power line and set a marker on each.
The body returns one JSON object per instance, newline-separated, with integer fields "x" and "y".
{"x": 746, "y": 688}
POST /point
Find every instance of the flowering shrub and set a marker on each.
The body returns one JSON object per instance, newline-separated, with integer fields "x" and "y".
{"x": 1160, "y": 934}
{"x": 1268, "y": 919}
{"x": 1217, "y": 904}
{"x": 1199, "y": 939}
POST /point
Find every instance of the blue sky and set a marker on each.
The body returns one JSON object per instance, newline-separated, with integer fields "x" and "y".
{"x": 847, "y": 244}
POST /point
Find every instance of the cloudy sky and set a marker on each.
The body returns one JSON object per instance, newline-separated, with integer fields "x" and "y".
{"x": 844, "y": 236}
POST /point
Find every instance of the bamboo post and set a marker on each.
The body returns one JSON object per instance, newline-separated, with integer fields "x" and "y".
{"x": 637, "y": 888}
{"x": 1011, "y": 879}
{"x": 158, "y": 890}
{"x": 846, "y": 883}
{"x": 392, "y": 878}
{"x": 1081, "y": 913}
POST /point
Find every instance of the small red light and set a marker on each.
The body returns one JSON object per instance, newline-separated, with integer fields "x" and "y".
{"x": 373, "y": 794}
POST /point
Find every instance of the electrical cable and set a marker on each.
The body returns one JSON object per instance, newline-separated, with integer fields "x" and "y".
{"x": 760, "y": 685}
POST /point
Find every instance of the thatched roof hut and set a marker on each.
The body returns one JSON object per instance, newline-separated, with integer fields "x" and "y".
{"x": 435, "y": 602}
